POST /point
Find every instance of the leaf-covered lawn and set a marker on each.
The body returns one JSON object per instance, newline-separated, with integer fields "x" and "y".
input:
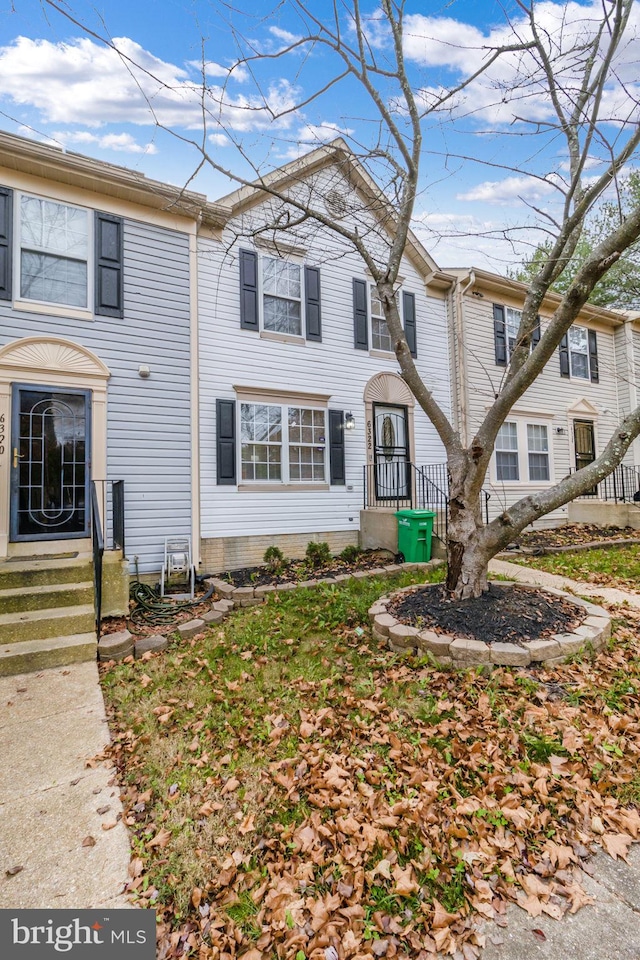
{"x": 613, "y": 566}
{"x": 292, "y": 787}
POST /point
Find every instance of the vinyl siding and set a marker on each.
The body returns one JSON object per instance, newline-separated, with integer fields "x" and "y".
{"x": 148, "y": 421}
{"x": 230, "y": 356}
{"x": 550, "y": 400}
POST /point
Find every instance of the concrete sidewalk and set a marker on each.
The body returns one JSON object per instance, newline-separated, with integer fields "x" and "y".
{"x": 51, "y": 723}
{"x": 593, "y": 590}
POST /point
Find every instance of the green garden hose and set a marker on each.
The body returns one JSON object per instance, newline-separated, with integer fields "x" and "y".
{"x": 152, "y": 610}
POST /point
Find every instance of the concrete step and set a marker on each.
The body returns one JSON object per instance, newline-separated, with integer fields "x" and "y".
{"x": 20, "y": 573}
{"x": 42, "y": 624}
{"x": 45, "y": 596}
{"x": 30, "y": 656}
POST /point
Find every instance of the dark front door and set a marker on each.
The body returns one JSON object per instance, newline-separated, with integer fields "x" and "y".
{"x": 50, "y": 463}
{"x": 584, "y": 442}
{"x": 391, "y": 453}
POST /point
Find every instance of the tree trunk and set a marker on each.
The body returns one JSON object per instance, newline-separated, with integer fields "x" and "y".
{"x": 468, "y": 553}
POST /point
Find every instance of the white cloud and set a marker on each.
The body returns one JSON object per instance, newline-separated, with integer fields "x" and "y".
{"x": 86, "y": 83}
{"x": 313, "y": 135}
{"x": 463, "y": 240}
{"x": 284, "y": 35}
{"x": 120, "y": 142}
{"x": 239, "y": 73}
{"x": 219, "y": 140}
{"x": 505, "y": 192}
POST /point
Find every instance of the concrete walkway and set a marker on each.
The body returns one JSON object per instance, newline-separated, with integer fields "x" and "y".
{"x": 51, "y": 802}
{"x": 592, "y": 590}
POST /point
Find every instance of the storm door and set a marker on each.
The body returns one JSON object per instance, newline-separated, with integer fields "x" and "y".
{"x": 585, "y": 447}
{"x": 50, "y": 460}
{"x": 391, "y": 453}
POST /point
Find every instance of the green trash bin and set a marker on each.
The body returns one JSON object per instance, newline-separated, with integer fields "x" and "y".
{"x": 414, "y": 534}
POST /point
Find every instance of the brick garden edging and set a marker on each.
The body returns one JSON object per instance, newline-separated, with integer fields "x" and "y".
{"x": 595, "y": 630}
{"x": 454, "y": 651}
{"x": 117, "y": 646}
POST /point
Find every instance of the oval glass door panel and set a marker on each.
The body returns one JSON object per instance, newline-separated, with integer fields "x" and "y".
{"x": 391, "y": 453}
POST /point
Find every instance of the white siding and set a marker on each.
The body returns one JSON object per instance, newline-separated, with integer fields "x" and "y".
{"x": 230, "y": 356}
{"x": 550, "y": 400}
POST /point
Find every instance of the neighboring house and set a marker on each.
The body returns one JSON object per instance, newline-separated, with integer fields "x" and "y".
{"x": 98, "y": 330}
{"x": 307, "y": 431}
{"x": 566, "y": 417}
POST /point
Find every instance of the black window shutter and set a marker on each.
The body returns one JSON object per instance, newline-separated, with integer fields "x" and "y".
{"x": 336, "y": 447}
{"x": 535, "y": 336}
{"x": 593, "y": 357}
{"x": 360, "y": 315}
{"x": 564, "y": 356}
{"x": 248, "y": 290}
{"x": 313, "y": 315}
{"x": 500, "y": 335}
{"x": 409, "y": 314}
{"x": 6, "y": 232}
{"x": 109, "y": 257}
{"x": 226, "y": 442}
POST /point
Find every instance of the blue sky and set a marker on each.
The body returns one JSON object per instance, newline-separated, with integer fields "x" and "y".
{"x": 60, "y": 85}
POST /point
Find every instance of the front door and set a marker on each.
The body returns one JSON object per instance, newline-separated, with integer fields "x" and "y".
{"x": 391, "y": 453}
{"x": 50, "y": 463}
{"x": 584, "y": 442}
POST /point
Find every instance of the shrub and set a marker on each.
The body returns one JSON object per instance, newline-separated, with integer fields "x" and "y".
{"x": 350, "y": 553}
{"x": 318, "y": 554}
{"x": 274, "y": 558}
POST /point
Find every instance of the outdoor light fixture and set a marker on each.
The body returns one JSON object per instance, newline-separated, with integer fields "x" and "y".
{"x": 349, "y": 421}
{"x": 144, "y": 371}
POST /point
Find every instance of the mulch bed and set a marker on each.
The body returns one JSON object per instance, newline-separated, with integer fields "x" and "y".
{"x": 296, "y": 571}
{"x": 572, "y": 534}
{"x": 507, "y": 613}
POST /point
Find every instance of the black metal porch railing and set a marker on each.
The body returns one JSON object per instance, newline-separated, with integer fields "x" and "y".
{"x": 111, "y": 494}
{"x": 621, "y": 486}
{"x": 404, "y": 485}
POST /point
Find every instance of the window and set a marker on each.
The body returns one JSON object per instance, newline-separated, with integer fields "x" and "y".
{"x": 281, "y": 291}
{"x": 279, "y": 296}
{"x": 380, "y": 336}
{"x": 54, "y": 249}
{"x": 538, "y": 448}
{"x": 522, "y": 452}
{"x": 507, "y": 452}
{"x": 369, "y": 324}
{"x": 512, "y": 320}
{"x": 579, "y": 353}
{"x": 282, "y": 443}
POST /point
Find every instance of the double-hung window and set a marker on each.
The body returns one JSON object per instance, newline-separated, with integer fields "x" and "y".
{"x": 579, "y": 353}
{"x": 279, "y": 297}
{"x": 369, "y": 324}
{"x": 522, "y": 452}
{"x": 282, "y": 296}
{"x": 538, "y": 451}
{"x": 282, "y": 444}
{"x": 54, "y": 252}
{"x": 512, "y": 321}
{"x": 380, "y": 336}
{"x": 507, "y": 467}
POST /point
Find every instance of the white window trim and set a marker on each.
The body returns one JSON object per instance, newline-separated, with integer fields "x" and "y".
{"x": 572, "y": 375}
{"x": 53, "y": 307}
{"x": 265, "y": 333}
{"x": 377, "y": 351}
{"x": 521, "y": 423}
{"x": 285, "y": 481}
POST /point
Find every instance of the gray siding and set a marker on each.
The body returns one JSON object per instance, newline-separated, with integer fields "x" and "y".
{"x": 148, "y": 432}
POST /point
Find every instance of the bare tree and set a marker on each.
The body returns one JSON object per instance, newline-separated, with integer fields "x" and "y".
{"x": 574, "y": 67}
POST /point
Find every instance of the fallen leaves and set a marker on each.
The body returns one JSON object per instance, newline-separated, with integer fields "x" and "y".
{"x": 367, "y": 807}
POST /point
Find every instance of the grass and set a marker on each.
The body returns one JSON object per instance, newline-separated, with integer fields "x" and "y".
{"x": 619, "y": 564}
{"x": 287, "y": 765}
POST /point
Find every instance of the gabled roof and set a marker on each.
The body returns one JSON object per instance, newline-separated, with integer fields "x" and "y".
{"x": 107, "y": 179}
{"x": 335, "y": 153}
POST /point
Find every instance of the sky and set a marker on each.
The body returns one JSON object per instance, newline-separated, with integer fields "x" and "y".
{"x": 136, "y": 100}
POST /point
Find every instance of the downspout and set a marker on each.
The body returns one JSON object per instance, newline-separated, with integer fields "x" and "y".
{"x": 194, "y": 354}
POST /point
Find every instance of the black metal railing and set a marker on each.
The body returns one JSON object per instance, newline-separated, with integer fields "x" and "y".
{"x": 108, "y": 494}
{"x": 403, "y": 485}
{"x": 97, "y": 541}
{"x": 620, "y": 486}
